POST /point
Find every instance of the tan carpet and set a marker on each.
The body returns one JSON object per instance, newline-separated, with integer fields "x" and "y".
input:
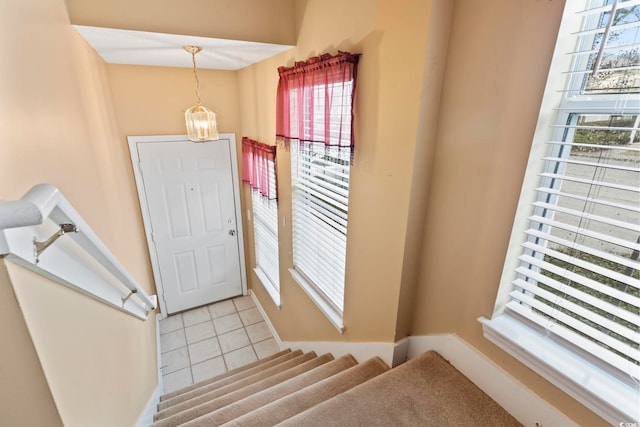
{"x": 294, "y": 389}
{"x": 271, "y": 394}
{"x": 288, "y": 406}
{"x": 426, "y": 391}
{"x": 209, "y": 402}
{"x": 204, "y": 387}
{"x": 209, "y": 391}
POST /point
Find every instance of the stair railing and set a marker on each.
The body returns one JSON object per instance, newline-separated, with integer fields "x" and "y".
{"x": 45, "y": 234}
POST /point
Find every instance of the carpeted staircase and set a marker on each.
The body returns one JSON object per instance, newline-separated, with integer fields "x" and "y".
{"x": 295, "y": 389}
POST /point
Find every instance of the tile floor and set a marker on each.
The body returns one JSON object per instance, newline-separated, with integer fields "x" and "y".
{"x": 210, "y": 340}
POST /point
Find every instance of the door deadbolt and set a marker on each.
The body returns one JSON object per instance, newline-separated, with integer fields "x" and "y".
{"x": 232, "y": 232}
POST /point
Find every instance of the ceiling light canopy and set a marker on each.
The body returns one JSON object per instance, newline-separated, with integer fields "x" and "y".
{"x": 201, "y": 121}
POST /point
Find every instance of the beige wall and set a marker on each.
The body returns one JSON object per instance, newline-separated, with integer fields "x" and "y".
{"x": 498, "y": 58}
{"x": 251, "y": 20}
{"x": 99, "y": 362}
{"x": 392, "y": 37}
{"x": 23, "y": 384}
{"x": 57, "y": 125}
{"x": 427, "y": 133}
{"x": 152, "y": 100}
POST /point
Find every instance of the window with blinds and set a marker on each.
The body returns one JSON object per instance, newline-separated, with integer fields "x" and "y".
{"x": 258, "y": 172}
{"x": 579, "y": 272}
{"x": 265, "y": 231}
{"x": 320, "y": 193}
{"x": 314, "y": 118}
{"x": 578, "y": 278}
{"x": 320, "y": 178}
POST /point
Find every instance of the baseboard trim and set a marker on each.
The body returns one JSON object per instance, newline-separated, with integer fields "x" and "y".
{"x": 526, "y": 406}
{"x": 146, "y": 419}
{"x": 265, "y": 317}
{"x": 361, "y": 351}
{"x": 391, "y": 353}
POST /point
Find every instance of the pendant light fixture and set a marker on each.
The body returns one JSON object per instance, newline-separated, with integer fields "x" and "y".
{"x": 201, "y": 121}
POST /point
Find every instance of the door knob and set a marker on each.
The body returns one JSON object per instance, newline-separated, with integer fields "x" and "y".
{"x": 232, "y": 232}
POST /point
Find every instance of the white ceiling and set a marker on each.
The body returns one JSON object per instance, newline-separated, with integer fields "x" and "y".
{"x": 157, "y": 49}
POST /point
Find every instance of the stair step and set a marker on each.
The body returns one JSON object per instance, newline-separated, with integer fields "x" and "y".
{"x": 271, "y": 394}
{"x": 426, "y": 391}
{"x": 293, "y": 389}
{"x": 204, "y": 404}
{"x": 288, "y": 406}
{"x": 282, "y": 362}
{"x": 259, "y": 364}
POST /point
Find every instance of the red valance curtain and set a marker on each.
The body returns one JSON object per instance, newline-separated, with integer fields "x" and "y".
{"x": 315, "y": 101}
{"x": 258, "y": 167}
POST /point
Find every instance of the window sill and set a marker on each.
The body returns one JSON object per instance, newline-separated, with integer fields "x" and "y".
{"x": 268, "y": 286}
{"x": 334, "y": 316}
{"x": 586, "y": 382}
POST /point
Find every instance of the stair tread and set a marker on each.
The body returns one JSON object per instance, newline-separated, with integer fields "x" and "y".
{"x": 303, "y": 389}
{"x": 275, "y": 392}
{"x": 270, "y": 366}
{"x": 425, "y": 391}
{"x": 181, "y": 413}
{"x": 233, "y": 372}
{"x": 288, "y": 406}
{"x": 208, "y": 394}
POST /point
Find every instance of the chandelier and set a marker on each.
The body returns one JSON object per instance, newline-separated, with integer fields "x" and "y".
{"x": 201, "y": 121}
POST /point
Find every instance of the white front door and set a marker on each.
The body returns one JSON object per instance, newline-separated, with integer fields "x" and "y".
{"x": 191, "y": 195}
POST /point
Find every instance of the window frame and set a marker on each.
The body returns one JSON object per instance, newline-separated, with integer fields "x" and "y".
{"x": 586, "y": 378}
{"x": 265, "y": 225}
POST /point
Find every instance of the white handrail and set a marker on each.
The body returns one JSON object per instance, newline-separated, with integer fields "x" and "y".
{"x": 24, "y": 221}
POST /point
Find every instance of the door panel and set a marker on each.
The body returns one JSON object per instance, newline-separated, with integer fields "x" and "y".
{"x": 189, "y": 191}
{"x": 175, "y": 206}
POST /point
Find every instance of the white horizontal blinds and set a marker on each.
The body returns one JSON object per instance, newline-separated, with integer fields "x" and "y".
{"x": 320, "y": 178}
{"x": 579, "y": 275}
{"x": 265, "y": 226}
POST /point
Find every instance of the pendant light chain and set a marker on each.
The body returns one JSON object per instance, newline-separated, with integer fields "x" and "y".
{"x": 195, "y": 74}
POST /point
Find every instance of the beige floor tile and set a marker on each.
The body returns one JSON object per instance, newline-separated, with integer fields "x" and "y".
{"x": 195, "y": 316}
{"x": 208, "y": 369}
{"x": 192, "y": 352}
{"x": 250, "y": 316}
{"x": 199, "y": 332}
{"x": 177, "y": 380}
{"x": 233, "y": 340}
{"x": 240, "y": 357}
{"x": 266, "y": 348}
{"x": 174, "y": 360}
{"x": 227, "y": 323}
{"x": 203, "y": 350}
{"x": 244, "y": 303}
{"x": 258, "y": 332}
{"x": 172, "y": 340}
{"x": 171, "y": 323}
{"x": 222, "y": 308}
